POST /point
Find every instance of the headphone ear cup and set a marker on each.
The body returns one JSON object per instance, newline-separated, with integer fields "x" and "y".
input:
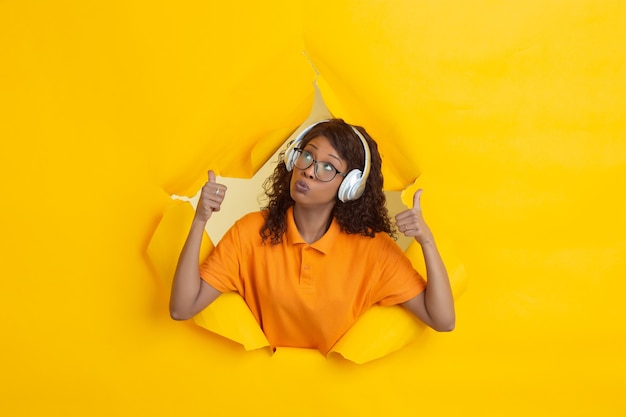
{"x": 351, "y": 187}
{"x": 290, "y": 157}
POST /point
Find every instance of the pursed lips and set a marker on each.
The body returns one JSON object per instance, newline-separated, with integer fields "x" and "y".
{"x": 301, "y": 186}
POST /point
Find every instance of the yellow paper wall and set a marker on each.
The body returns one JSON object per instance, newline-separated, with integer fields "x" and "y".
{"x": 512, "y": 111}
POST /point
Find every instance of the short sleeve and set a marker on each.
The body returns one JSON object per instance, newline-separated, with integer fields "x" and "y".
{"x": 220, "y": 269}
{"x": 397, "y": 281}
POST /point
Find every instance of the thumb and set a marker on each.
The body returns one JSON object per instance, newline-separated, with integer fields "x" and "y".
{"x": 416, "y": 200}
{"x": 211, "y": 176}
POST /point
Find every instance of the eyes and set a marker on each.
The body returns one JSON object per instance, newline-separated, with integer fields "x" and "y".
{"x": 324, "y": 171}
{"x": 308, "y": 159}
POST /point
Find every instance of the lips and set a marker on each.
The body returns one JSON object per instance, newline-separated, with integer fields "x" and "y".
{"x": 301, "y": 186}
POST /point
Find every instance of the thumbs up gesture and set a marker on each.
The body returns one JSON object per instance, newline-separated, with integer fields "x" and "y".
{"x": 211, "y": 198}
{"x": 411, "y": 222}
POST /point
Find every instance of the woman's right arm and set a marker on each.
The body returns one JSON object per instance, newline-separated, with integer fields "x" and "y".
{"x": 190, "y": 293}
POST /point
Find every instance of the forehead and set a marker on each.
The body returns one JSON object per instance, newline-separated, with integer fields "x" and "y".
{"x": 325, "y": 150}
{"x": 322, "y": 145}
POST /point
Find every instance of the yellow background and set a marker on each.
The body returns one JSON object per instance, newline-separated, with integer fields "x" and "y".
{"x": 513, "y": 111}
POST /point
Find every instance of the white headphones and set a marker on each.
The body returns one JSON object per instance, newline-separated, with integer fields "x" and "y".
{"x": 353, "y": 185}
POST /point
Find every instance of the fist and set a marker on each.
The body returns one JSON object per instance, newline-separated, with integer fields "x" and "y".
{"x": 211, "y": 198}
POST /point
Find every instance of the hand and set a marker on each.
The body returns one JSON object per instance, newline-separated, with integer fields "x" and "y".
{"x": 411, "y": 222}
{"x": 211, "y": 198}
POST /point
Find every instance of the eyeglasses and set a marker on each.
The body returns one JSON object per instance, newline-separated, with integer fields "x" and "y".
{"x": 324, "y": 171}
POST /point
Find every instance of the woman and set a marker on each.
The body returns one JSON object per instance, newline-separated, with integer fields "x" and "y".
{"x": 321, "y": 252}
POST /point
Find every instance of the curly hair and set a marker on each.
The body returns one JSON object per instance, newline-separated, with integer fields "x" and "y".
{"x": 366, "y": 215}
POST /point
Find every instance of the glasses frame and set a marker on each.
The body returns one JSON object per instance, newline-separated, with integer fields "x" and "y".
{"x": 316, "y": 163}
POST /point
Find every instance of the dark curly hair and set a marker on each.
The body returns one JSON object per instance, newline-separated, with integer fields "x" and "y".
{"x": 367, "y": 215}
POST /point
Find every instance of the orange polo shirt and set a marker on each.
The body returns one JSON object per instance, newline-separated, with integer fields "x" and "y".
{"x": 308, "y": 296}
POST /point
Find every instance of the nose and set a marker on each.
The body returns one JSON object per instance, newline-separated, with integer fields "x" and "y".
{"x": 310, "y": 171}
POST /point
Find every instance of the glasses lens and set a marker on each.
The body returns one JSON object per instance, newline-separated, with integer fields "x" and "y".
{"x": 304, "y": 160}
{"x": 325, "y": 171}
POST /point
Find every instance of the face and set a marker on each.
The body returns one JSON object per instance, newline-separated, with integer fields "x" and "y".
{"x": 305, "y": 188}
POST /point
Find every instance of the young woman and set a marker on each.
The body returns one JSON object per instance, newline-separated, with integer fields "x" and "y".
{"x": 321, "y": 252}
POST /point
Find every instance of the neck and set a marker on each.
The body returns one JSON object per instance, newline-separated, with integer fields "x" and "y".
{"x": 312, "y": 223}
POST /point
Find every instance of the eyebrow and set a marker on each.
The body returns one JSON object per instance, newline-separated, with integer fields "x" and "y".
{"x": 330, "y": 154}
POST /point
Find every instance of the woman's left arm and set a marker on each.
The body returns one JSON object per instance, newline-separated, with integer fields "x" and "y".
{"x": 435, "y": 305}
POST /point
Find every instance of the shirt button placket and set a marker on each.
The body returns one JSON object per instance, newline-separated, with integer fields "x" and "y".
{"x": 306, "y": 277}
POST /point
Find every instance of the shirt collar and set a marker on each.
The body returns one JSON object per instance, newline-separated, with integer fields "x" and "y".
{"x": 324, "y": 244}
